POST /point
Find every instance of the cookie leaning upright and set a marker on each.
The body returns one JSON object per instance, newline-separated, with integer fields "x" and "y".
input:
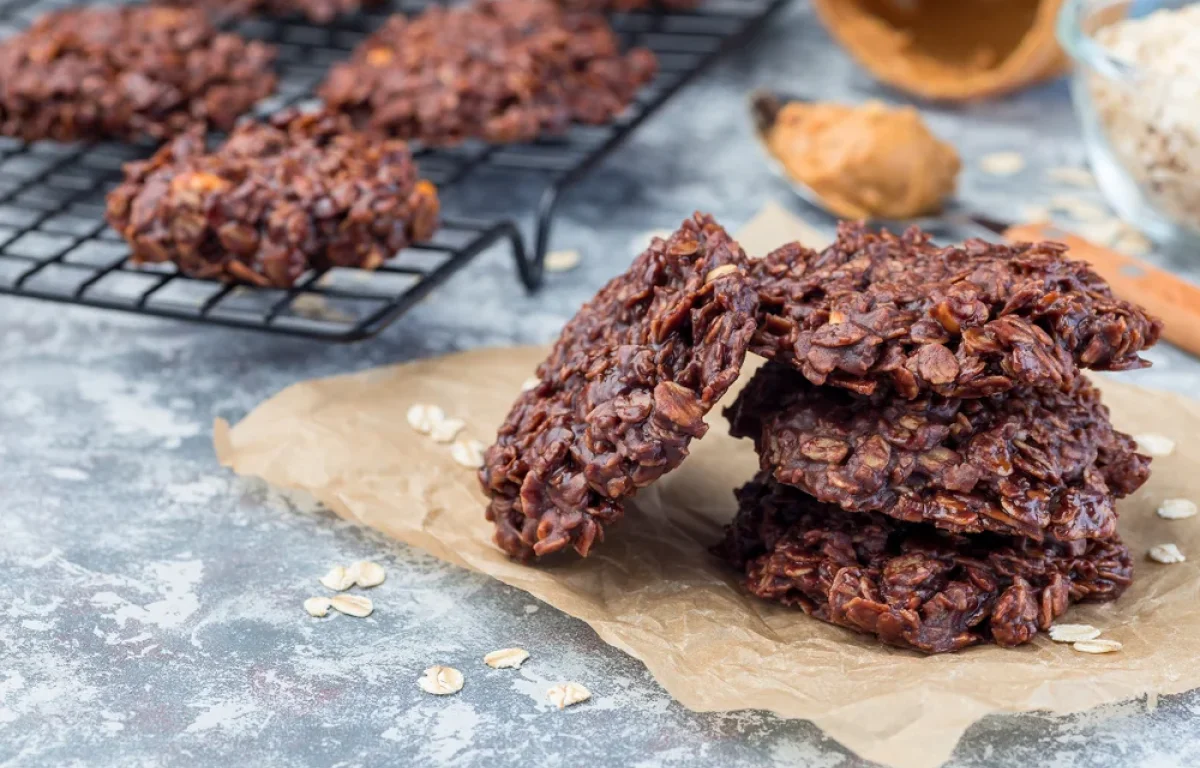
{"x": 622, "y": 394}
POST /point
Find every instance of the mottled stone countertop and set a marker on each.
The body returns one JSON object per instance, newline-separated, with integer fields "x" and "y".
{"x": 150, "y": 602}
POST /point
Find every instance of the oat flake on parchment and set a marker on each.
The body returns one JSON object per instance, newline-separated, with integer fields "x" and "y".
{"x": 423, "y": 418}
{"x": 1073, "y": 633}
{"x": 1099, "y": 645}
{"x": 446, "y": 430}
{"x": 1167, "y": 554}
{"x": 468, "y": 453}
{"x": 1155, "y": 445}
{"x": 1177, "y": 509}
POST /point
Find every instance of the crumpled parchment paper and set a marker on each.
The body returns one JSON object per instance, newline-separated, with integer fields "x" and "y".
{"x": 653, "y": 591}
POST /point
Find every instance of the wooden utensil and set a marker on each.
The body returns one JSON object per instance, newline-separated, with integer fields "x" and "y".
{"x": 1169, "y": 296}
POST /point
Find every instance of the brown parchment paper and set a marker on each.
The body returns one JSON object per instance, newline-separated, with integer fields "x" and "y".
{"x": 653, "y": 591}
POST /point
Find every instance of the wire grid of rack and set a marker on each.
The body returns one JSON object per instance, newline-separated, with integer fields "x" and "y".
{"x": 54, "y": 244}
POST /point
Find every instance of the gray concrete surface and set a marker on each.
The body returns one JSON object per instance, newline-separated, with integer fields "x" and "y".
{"x": 150, "y": 602}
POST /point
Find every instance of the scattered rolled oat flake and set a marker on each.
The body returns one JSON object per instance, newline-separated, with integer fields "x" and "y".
{"x": 1099, "y": 645}
{"x": 1177, "y": 509}
{"x": 1077, "y": 208}
{"x": 445, "y": 431}
{"x": 338, "y": 579}
{"x": 506, "y": 658}
{"x": 1155, "y": 445}
{"x": 561, "y": 261}
{"x": 366, "y": 574}
{"x": 719, "y": 272}
{"x": 441, "y": 681}
{"x": 1073, "y": 175}
{"x": 1002, "y": 163}
{"x": 317, "y": 607}
{"x": 468, "y": 453}
{"x": 530, "y": 383}
{"x": 353, "y": 605}
{"x": 424, "y": 418}
{"x": 1166, "y": 554}
{"x": 1132, "y": 243}
{"x": 568, "y": 694}
{"x": 1073, "y": 633}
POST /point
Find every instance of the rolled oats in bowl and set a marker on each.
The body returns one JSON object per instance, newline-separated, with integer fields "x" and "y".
{"x": 1137, "y": 91}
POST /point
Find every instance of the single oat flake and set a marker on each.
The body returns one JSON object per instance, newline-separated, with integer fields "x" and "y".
{"x": 506, "y": 658}
{"x": 1177, "y": 509}
{"x": 353, "y": 605}
{"x": 719, "y": 272}
{"x": 1098, "y": 645}
{"x": 1166, "y": 554}
{"x": 1073, "y": 633}
{"x": 1072, "y": 175}
{"x": 366, "y": 574}
{"x": 338, "y": 579}
{"x": 441, "y": 681}
{"x": 530, "y": 383}
{"x": 562, "y": 261}
{"x": 317, "y": 607}
{"x": 445, "y": 431}
{"x": 1002, "y": 163}
{"x": 468, "y": 453}
{"x": 568, "y": 694}
{"x": 1155, "y": 445}
{"x": 424, "y": 418}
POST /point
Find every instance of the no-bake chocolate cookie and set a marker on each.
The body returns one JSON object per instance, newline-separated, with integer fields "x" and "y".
{"x": 964, "y": 321}
{"x": 622, "y": 394}
{"x": 500, "y": 71}
{"x": 1037, "y": 464}
{"x": 276, "y": 199}
{"x": 317, "y": 11}
{"x": 911, "y": 585}
{"x": 128, "y": 73}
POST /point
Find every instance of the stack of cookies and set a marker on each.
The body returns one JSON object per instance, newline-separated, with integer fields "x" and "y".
{"x": 935, "y": 470}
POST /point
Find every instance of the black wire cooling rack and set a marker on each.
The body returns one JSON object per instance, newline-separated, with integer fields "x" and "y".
{"x": 54, "y": 244}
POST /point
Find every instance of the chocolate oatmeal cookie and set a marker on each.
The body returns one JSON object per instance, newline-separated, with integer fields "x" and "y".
{"x": 964, "y": 321}
{"x": 911, "y": 585}
{"x": 127, "y": 73}
{"x": 317, "y": 11}
{"x": 502, "y": 71}
{"x": 276, "y": 199}
{"x": 1037, "y": 464}
{"x": 622, "y": 394}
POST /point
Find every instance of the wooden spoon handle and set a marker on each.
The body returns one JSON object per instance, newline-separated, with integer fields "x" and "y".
{"x": 1169, "y": 296}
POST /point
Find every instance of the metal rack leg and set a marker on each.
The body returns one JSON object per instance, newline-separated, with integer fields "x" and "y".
{"x": 541, "y": 243}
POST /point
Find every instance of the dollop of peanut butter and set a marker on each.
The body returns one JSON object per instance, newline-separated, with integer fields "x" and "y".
{"x": 865, "y": 161}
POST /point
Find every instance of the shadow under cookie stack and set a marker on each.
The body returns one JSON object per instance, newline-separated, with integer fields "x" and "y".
{"x": 935, "y": 469}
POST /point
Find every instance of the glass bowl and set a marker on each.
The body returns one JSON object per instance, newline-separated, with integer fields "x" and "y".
{"x": 1140, "y": 113}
